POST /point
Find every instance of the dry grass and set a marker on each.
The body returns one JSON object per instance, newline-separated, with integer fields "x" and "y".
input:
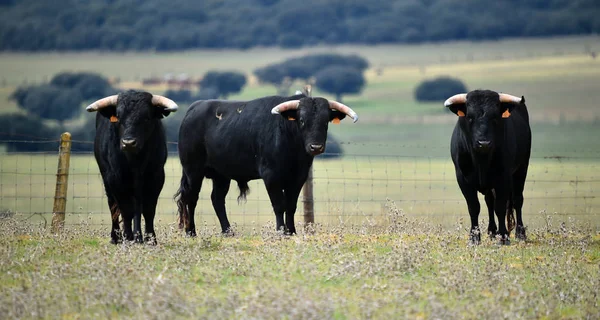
{"x": 410, "y": 269}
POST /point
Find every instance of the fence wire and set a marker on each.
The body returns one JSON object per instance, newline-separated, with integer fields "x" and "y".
{"x": 350, "y": 189}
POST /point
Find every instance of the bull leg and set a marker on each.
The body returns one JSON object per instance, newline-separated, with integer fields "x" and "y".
{"x": 115, "y": 233}
{"x": 220, "y": 189}
{"x": 278, "y": 202}
{"x": 152, "y": 190}
{"x": 489, "y": 201}
{"x": 470, "y": 195}
{"x": 127, "y": 232}
{"x": 500, "y": 208}
{"x": 291, "y": 201}
{"x": 518, "y": 186}
{"x": 137, "y": 227}
{"x": 191, "y": 183}
{"x": 127, "y": 207}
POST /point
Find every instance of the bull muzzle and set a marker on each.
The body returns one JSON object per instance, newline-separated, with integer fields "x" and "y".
{"x": 129, "y": 144}
{"x": 483, "y": 145}
{"x": 316, "y": 149}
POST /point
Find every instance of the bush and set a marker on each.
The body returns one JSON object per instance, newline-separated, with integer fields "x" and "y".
{"x": 18, "y": 127}
{"x": 225, "y": 83}
{"x": 307, "y": 66}
{"x": 439, "y": 89}
{"x": 49, "y": 101}
{"x": 339, "y": 80}
{"x": 333, "y": 149}
{"x": 91, "y": 86}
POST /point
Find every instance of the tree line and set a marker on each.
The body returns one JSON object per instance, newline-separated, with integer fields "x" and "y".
{"x": 35, "y": 25}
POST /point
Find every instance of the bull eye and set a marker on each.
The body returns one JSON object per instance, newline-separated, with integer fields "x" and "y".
{"x": 301, "y": 122}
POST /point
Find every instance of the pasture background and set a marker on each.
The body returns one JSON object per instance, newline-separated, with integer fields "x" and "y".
{"x": 399, "y": 150}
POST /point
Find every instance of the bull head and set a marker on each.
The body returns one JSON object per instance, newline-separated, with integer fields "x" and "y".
{"x": 313, "y": 116}
{"x": 480, "y": 113}
{"x": 135, "y": 113}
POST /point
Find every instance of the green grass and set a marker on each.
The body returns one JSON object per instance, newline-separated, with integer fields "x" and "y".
{"x": 410, "y": 269}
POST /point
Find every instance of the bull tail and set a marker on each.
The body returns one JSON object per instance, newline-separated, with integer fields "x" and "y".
{"x": 244, "y": 190}
{"x": 181, "y": 205}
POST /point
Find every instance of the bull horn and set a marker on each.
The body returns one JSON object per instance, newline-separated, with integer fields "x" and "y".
{"x": 509, "y": 98}
{"x": 457, "y": 98}
{"x": 164, "y": 102}
{"x": 103, "y": 103}
{"x": 285, "y": 106}
{"x": 343, "y": 108}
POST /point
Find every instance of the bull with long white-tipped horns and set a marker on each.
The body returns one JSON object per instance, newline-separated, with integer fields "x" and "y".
{"x": 490, "y": 148}
{"x": 272, "y": 138}
{"x": 131, "y": 150}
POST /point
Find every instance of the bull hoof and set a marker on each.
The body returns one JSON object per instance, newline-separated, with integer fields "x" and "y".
{"x": 228, "y": 233}
{"x": 138, "y": 238}
{"x": 475, "y": 238}
{"x": 150, "y": 239}
{"x": 191, "y": 233}
{"x": 504, "y": 240}
{"x": 520, "y": 233}
{"x": 116, "y": 238}
{"x": 492, "y": 233}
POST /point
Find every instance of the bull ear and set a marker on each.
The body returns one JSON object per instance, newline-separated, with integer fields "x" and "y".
{"x": 459, "y": 109}
{"x": 335, "y": 116}
{"x": 161, "y": 113}
{"x": 290, "y": 114}
{"x": 457, "y": 104}
{"x": 109, "y": 112}
{"x": 507, "y": 107}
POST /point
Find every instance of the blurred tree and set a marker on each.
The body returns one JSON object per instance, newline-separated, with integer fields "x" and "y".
{"x": 20, "y": 127}
{"x": 179, "y": 96}
{"x": 62, "y": 98}
{"x": 439, "y": 89}
{"x": 333, "y": 149}
{"x": 306, "y": 67}
{"x": 90, "y": 85}
{"x": 225, "y": 83}
{"x": 185, "y": 24}
{"x": 340, "y": 80}
{"x": 49, "y": 102}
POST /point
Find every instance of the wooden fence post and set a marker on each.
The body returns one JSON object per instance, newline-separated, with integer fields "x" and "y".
{"x": 307, "y": 190}
{"x": 62, "y": 176}
{"x": 307, "y": 199}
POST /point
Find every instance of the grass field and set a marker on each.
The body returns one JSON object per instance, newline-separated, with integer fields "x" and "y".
{"x": 410, "y": 269}
{"x": 390, "y": 239}
{"x": 395, "y": 143}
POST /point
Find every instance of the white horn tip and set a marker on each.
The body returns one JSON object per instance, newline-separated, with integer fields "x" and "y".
{"x": 275, "y": 110}
{"x": 91, "y": 108}
{"x": 354, "y": 117}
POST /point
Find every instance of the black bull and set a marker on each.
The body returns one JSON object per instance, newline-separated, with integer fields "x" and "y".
{"x": 490, "y": 148}
{"x": 130, "y": 149}
{"x": 272, "y": 138}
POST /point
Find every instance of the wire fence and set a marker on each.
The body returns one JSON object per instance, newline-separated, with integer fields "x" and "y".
{"x": 350, "y": 189}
